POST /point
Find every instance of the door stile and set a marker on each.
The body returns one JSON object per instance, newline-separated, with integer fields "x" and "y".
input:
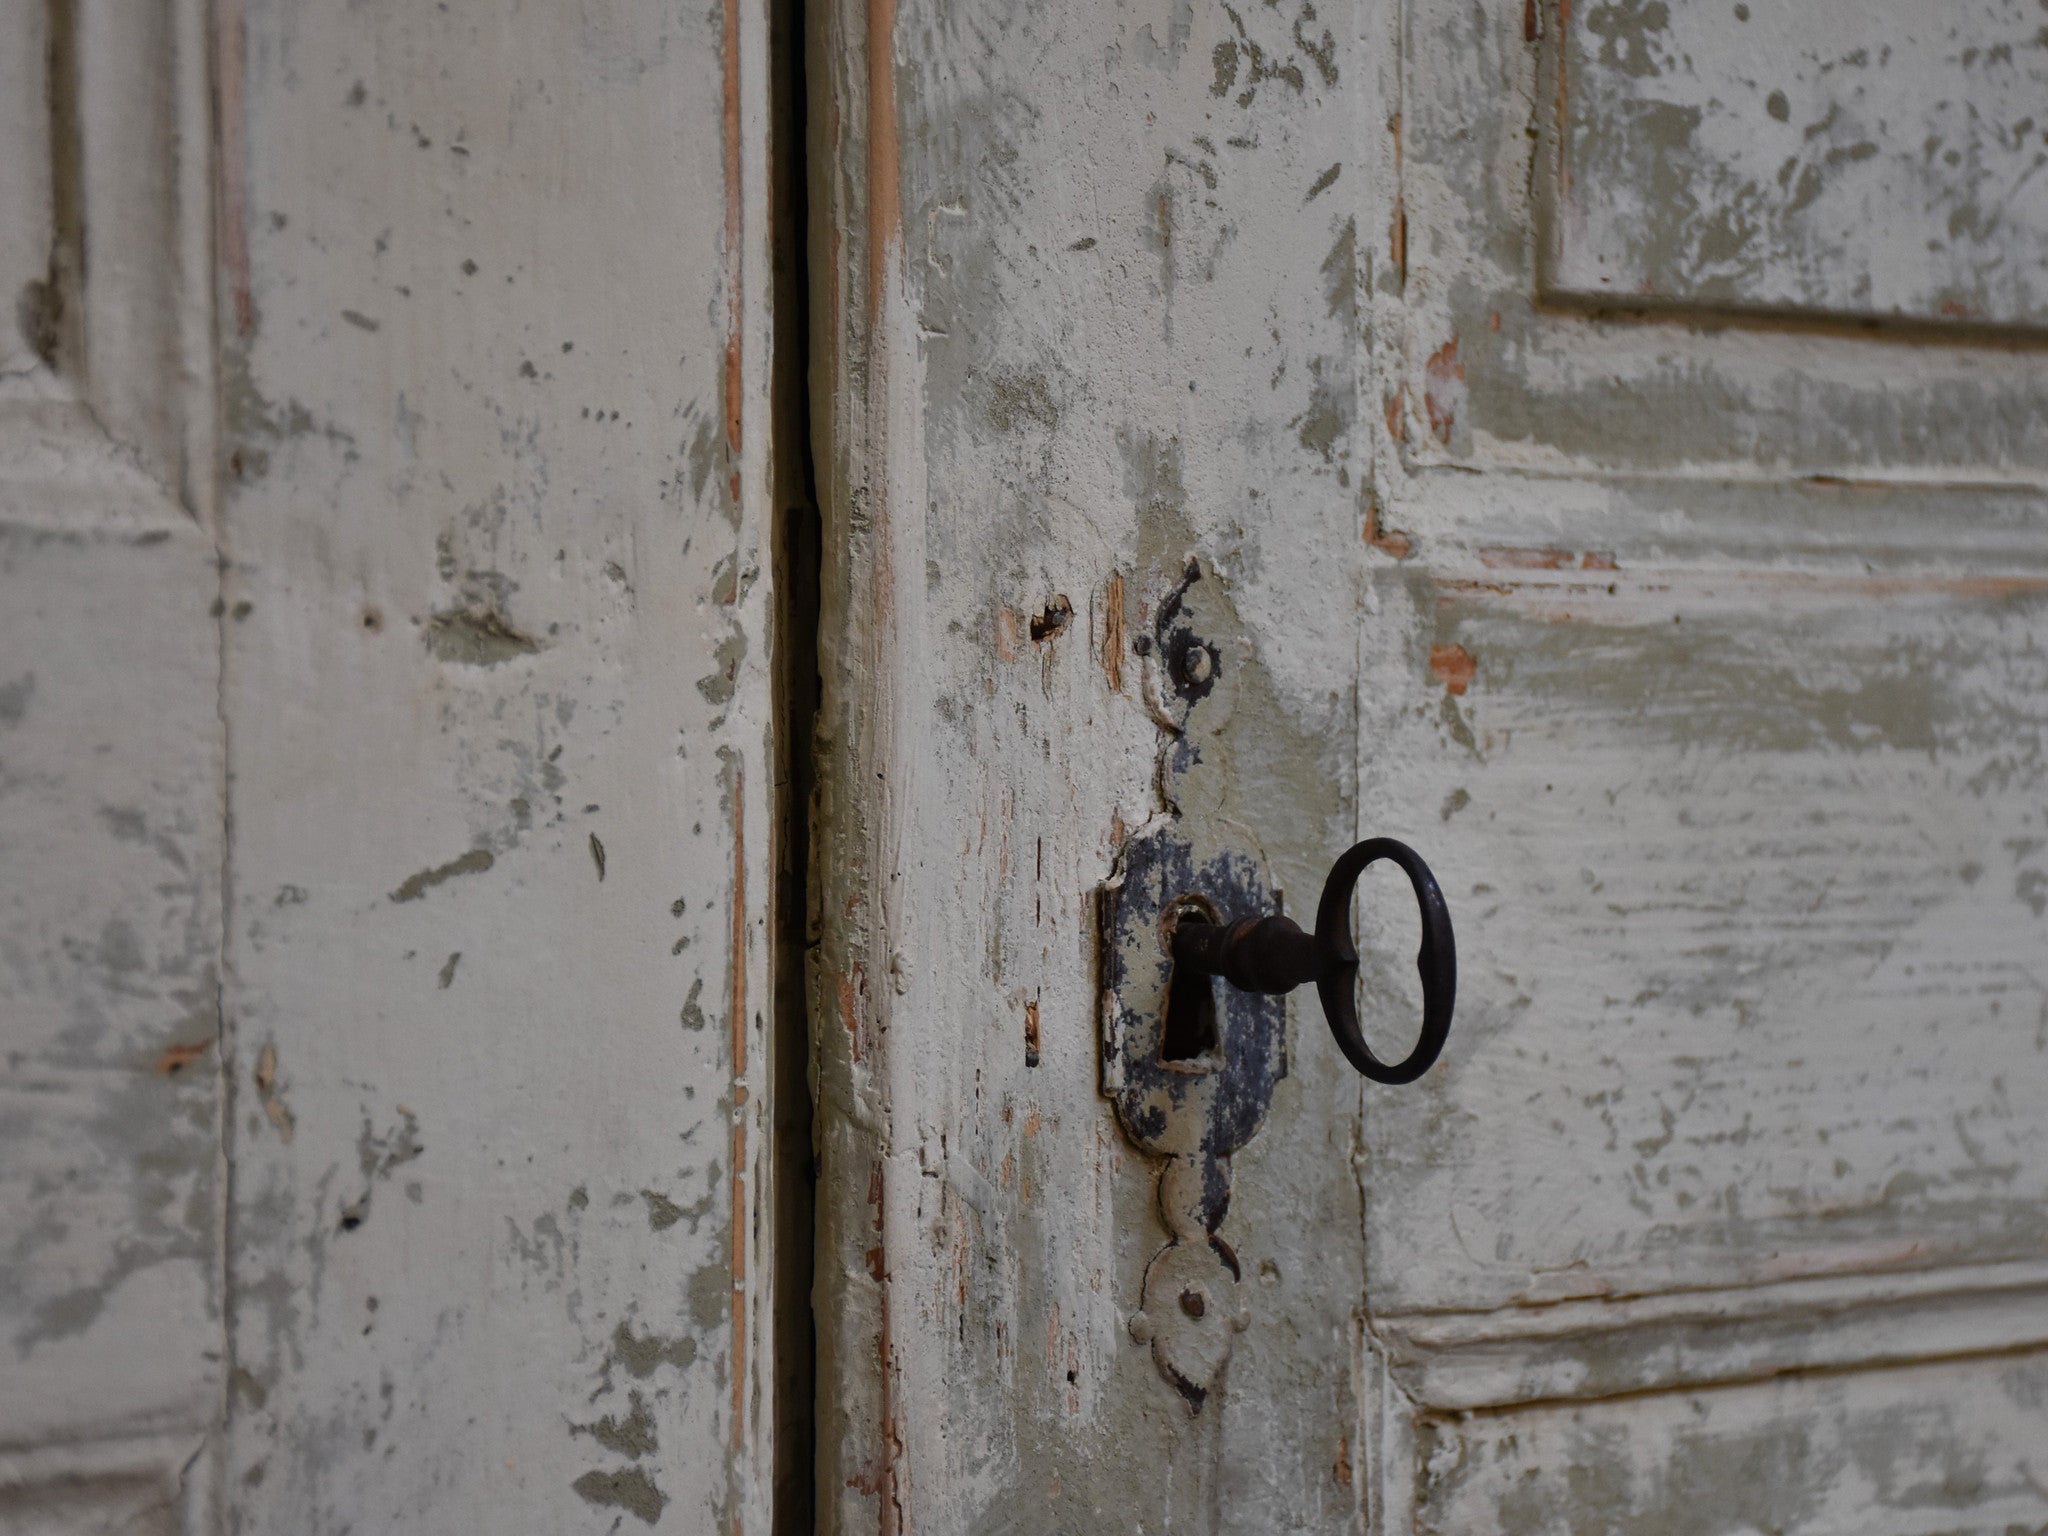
{"x": 852, "y": 173}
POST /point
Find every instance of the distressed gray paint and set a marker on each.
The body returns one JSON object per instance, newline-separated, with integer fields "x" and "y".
{"x": 1936, "y": 1449}
{"x": 1089, "y": 309}
{"x": 1492, "y": 374}
{"x": 108, "y": 1136}
{"x": 385, "y": 796}
{"x": 1762, "y": 956}
{"x": 111, "y": 777}
{"x": 497, "y": 696}
{"x": 1702, "y": 658}
{"x": 1717, "y": 688}
{"x": 1835, "y": 157}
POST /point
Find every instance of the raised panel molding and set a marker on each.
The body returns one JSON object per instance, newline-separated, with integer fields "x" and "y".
{"x": 1842, "y": 158}
{"x": 105, "y": 372}
{"x": 27, "y": 199}
{"x": 1927, "y": 1450}
{"x": 1817, "y": 340}
{"x": 143, "y": 1487}
{"x": 1587, "y": 1350}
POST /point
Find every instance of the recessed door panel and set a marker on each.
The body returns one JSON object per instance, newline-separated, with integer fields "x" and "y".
{"x": 1868, "y": 161}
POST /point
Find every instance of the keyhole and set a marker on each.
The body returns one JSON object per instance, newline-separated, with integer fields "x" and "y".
{"x": 1189, "y": 1035}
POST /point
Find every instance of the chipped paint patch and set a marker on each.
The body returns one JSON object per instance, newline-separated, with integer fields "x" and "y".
{"x": 1113, "y": 641}
{"x": 1739, "y": 167}
{"x": 176, "y": 1058}
{"x": 630, "y": 1489}
{"x": 1444, "y": 390}
{"x": 1391, "y": 541}
{"x": 1454, "y": 667}
{"x": 633, "y": 1436}
{"x": 477, "y": 636}
{"x": 416, "y": 885}
{"x": 271, "y": 1095}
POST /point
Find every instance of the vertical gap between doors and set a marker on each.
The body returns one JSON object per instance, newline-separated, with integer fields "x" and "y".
{"x": 797, "y": 553}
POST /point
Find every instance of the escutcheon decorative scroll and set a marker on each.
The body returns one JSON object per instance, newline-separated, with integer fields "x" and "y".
{"x": 1190, "y": 1064}
{"x": 1197, "y": 961}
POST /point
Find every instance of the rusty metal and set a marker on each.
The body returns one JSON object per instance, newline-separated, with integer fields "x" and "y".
{"x": 1190, "y": 1093}
{"x": 1190, "y": 1064}
{"x": 1269, "y": 954}
{"x": 1195, "y": 958}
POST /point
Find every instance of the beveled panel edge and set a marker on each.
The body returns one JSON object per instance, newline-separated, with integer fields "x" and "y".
{"x": 1425, "y": 304}
{"x": 136, "y": 404}
{"x": 171, "y": 1473}
{"x": 1585, "y": 1350}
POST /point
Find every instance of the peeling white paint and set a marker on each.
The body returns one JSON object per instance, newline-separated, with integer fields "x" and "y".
{"x": 1880, "y": 161}
{"x": 390, "y": 837}
{"x": 388, "y": 788}
{"x": 1698, "y": 650}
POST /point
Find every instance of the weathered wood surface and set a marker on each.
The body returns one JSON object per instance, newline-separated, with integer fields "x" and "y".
{"x": 384, "y": 946}
{"x": 1494, "y": 374}
{"x": 1756, "y": 860}
{"x": 1702, "y": 659}
{"x": 1718, "y": 689}
{"x": 1737, "y": 772}
{"x": 109, "y": 1133}
{"x": 111, "y": 775}
{"x": 495, "y": 306}
{"x": 1088, "y": 309}
{"x": 1926, "y": 1452}
{"x": 1834, "y": 157}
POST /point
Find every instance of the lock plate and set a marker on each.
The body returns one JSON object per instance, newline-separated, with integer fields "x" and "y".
{"x": 1195, "y": 1088}
{"x": 1189, "y": 1063}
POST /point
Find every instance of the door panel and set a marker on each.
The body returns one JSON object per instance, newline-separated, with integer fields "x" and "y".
{"x": 1855, "y": 160}
{"x": 1756, "y": 855}
{"x": 1090, "y": 309}
{"x": 1939, "y": 1449}
{"x": 390, "y": 794}
{"x": 497, "y": 685}
{"x": 1694, "y": 636}
{"x": 1760, "y": 369}
{"x": 1733, "y": 645}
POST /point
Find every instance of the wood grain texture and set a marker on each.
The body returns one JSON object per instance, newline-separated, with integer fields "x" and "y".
{"x": 134, "y": 1485}
{"x": 1088, "y": 308}
{"x": 1702, "y": 661}
{"x": 1718, "y": 380}
{"x": 1944, "y": 1448}
{"x": 1861, "y": 160}
{"x": 497, "y": 604}
{"x": 1754, "y": 856}
{"x": 112, "y": 774}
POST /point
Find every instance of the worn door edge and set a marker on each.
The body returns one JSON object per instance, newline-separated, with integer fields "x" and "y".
{"x": 795, "y": 548}
{"x": 854, "y": 249}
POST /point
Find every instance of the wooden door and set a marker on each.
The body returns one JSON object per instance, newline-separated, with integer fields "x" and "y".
{"x": 391, "y": 804}
{"x": 1610, "y": 435}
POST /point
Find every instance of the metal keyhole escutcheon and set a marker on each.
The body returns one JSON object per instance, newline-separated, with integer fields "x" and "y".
{"x": 1196, "y": 954}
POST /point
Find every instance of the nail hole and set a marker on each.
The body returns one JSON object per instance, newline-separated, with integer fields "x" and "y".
{"x": 1053, "y": 620}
